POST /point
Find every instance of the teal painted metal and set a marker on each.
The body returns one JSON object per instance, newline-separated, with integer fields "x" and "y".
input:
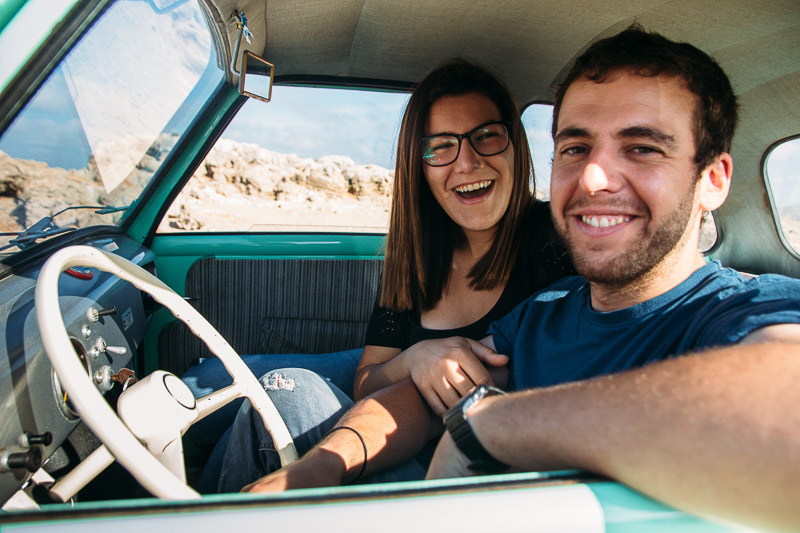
{"x": 8, "y": 9}
{"x": 628, "y": 511}
{"x": 624, "y": 510}
{"x": 176, "y": 253}
{"x": 29, "y": 23}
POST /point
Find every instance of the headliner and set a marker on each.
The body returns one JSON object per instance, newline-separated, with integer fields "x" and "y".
{"x": 531, "y": 44}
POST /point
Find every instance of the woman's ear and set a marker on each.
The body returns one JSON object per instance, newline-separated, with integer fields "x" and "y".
{"x": 715, "y": 182}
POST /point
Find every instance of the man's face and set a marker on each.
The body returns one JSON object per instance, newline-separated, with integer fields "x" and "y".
{"x": 624, "y": 178}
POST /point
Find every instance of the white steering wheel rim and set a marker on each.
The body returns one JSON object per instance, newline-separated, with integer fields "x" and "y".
{"x": 88, "y": 400}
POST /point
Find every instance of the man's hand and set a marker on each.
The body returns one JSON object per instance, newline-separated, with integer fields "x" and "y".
{"x": 448, "y": 461}
{"x": 444, "y": 370}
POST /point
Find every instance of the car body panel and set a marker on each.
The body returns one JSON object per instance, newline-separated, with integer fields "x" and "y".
{"x": 17, "y": 19}
{"x": 517, "y": 502}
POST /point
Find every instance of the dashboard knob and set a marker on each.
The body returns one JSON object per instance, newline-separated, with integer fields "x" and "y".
{"x": 94, "y": 315}
{"x": 117, "y": 350}
{"x": 29, "y": 439}
{"x": 31, "y": 460}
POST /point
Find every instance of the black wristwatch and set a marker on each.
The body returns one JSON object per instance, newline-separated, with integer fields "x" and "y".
{"x": 455, "y": 420}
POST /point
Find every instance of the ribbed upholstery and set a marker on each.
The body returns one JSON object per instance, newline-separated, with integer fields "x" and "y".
{"x": 275, "y": 306}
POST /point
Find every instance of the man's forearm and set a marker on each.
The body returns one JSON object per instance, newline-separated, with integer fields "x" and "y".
{"x": 376, "y": 376}
{"x": 394, "y": 422}
{"x": 717, "y": 434}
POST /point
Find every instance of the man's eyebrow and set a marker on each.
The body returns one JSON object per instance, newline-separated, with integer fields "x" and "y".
{"x": 649, "y": 133}
{"x": 568, "y": 133}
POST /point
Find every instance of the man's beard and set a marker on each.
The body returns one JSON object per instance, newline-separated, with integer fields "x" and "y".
{"x": 641, "y": 257}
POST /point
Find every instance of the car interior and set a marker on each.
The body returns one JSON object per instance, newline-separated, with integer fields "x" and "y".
{"x": 167, "y": 198}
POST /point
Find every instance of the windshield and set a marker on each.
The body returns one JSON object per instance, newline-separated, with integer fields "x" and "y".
{"x": 100, "y": 126}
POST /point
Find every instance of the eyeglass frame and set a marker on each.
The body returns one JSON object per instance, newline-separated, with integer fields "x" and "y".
{"x": 460, "y": 136}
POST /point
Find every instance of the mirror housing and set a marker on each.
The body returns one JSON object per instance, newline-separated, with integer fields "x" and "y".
{"x": 255, "y": 80}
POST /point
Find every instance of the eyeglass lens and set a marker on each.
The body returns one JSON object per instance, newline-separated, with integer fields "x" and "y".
{"x": 487, "y": 140}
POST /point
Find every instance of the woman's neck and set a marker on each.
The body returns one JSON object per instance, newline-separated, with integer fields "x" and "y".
{"x": 476, "y": 244}
{"x": 460, "y": 304}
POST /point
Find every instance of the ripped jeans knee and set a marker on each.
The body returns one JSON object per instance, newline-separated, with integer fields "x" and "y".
{"x": 309, "y": 405}
{"x": 275, "y": 380}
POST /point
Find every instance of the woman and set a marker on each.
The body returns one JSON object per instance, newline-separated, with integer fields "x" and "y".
{"x": 466, "y": 243}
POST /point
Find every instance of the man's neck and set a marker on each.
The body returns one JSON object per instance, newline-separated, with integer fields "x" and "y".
{"x": 664, "y": 277}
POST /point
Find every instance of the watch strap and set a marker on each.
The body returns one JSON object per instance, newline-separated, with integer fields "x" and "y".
{"x": 455, "y": 420}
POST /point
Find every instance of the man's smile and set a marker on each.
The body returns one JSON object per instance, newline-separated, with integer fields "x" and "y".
{"x": 603, "y": 221}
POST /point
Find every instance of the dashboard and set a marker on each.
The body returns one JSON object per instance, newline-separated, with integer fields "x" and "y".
{"x": 106, "y": 320}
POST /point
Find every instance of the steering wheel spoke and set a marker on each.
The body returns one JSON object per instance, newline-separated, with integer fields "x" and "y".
{"x": 160, "y": 392}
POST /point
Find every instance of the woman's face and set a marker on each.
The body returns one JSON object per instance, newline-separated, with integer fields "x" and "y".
{"x": 474, "y": 190}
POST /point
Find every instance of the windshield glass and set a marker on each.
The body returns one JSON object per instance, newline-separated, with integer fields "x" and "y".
{"x": 96, "y": 132}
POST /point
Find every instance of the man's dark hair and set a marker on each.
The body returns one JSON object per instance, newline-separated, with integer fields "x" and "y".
{"x": 645, "y": 53}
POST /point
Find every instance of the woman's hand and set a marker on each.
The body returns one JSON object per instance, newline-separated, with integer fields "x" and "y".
{"x": 444, "y": 370}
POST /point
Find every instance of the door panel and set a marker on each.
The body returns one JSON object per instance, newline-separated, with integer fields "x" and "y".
{"x": 266, "y": 293}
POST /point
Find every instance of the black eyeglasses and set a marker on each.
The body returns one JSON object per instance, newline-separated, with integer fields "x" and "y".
{"x": 487, "y": 139}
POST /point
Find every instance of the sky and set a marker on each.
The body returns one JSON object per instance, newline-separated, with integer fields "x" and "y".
{"x": 783, "y": 172}
{"x": 363, "y": 125}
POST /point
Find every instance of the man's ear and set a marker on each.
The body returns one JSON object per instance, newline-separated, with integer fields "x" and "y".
{"x": 715, "y": 182}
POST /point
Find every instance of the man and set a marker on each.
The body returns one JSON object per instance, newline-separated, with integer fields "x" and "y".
{"x": 642, "y": 129}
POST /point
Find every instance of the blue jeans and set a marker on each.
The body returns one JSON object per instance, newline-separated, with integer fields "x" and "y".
{"x": 209, "y": 376}
{"x": 310, "y": 405}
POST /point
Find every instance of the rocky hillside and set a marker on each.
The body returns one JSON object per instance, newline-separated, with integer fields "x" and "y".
{"x": 31, "y": 190}
{"x": 241, "y": 185}
{"x": 238, "y": 187}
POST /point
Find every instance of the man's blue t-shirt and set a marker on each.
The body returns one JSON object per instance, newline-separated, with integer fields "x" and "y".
{"x": 555, "y": 336}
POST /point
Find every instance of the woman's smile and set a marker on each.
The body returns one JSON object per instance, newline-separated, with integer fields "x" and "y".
{"x": 471, "y": 191}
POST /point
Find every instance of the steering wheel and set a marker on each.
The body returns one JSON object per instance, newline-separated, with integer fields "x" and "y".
{"x": 93, "y": 408}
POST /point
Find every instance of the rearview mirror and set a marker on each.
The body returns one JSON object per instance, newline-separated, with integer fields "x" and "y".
{"x": 256, "y": 78}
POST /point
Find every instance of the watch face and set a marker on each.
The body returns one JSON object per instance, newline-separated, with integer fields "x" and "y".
{"x": 480, "y": 393}
{"x": 474, "y": 397}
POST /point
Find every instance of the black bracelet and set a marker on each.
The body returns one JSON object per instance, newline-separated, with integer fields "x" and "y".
{"x": 363, "y": 444}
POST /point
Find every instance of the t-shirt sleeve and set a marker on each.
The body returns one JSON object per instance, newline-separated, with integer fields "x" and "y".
{"x": 387, "y": 328}
{"x": 769, "y": 300}
{"x": 504, "y": 330}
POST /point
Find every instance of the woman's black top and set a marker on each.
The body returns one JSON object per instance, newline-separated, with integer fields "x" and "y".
{"x": 542, "y": 260}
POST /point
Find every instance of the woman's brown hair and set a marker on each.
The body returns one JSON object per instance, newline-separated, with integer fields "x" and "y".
{"x": 421, "y": 237}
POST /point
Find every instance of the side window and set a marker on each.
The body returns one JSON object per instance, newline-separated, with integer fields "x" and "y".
{"x": 311, "y": 160}
{"x": 538, "y": 119}
{"x": 783, "y": 180}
